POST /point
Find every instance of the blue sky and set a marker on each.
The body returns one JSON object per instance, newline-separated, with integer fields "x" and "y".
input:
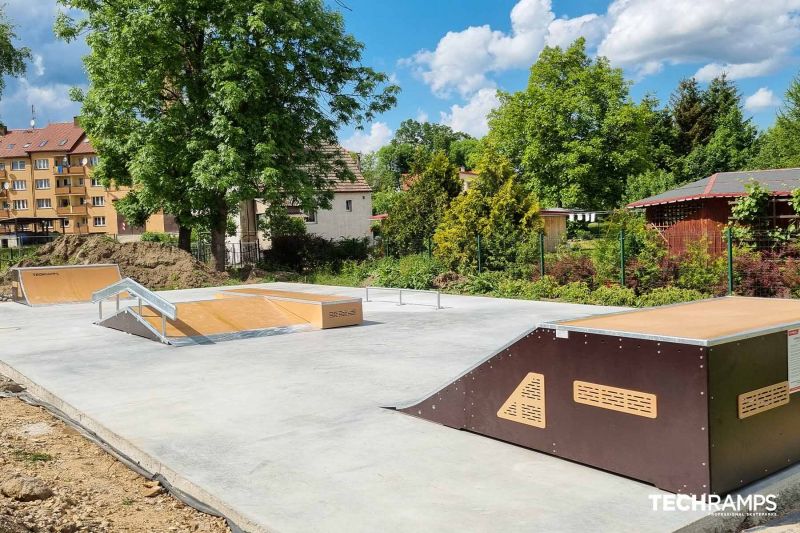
{"x": 450, "y": 56}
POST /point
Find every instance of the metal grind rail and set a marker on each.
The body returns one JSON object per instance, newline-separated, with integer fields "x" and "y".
{"x": 400, "y": 292}
{"x": 143, "y": 294}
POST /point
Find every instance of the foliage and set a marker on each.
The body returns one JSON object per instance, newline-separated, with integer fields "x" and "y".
{"x": 409, "y": 272}
{"x": 760, "y": 274}
{"x": 648, "y": 183}
{"x": 12, "y": 58}
{"x": 669, "y": 295}
{"x": 730, "y": 147}
{"x": 414, "y": 217}
{"x": 575, "y": 292}
{"x": 574, "y": 133}
{"x": 568, "y": 266}
{"x": 433, "y": 137}
{"x": 699, "y": 270}
{"x": 641, "y": 241}
{"x": 780, "y": 147}
{"x": 614, "y": 295}
{"x": 385, "y": 201}
{"x": 203, "y": 105}
{"x": 497, "y": 208}
{"x": 464, "y": 153}
{"x": 156, "y": 236}
{"x": 306, "y": 252}
{"x": 277, "y": 222}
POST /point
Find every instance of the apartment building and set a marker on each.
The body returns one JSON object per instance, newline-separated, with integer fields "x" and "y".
{"x": 46, "y": 183}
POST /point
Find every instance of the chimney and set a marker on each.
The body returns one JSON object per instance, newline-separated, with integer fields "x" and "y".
{"x": 75, "y": 122}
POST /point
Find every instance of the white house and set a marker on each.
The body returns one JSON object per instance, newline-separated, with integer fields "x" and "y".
{"x": 347, "y": 218}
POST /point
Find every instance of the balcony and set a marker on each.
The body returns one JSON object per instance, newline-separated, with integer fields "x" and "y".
{"x": 70, "y": 171}
{"x": 71, "y": 190}
{"x": 3, "y": 174}
{"x": 4, "y": 213}
{"x": 71, "y": 210}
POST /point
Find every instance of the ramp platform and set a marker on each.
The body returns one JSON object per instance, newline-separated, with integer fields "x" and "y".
{"x": 61, "y": 284}
{"x": 233, "y": 314}
{"x": 694, "y": 398}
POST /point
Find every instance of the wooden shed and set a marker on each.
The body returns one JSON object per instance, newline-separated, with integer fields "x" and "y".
{"x": 555, "y": 226}
{"x": 701, "y": 209}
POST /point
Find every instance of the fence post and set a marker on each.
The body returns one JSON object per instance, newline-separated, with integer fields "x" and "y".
{"x": 730, "y": 260}
{"x": 541, "y": 253}
{"x": 479, "y": 253}
{"x": 429, "y": 247}
{"x": 622, "y": 257}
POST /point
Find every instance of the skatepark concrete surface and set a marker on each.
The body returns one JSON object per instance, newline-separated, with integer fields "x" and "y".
{"x": 289, "y": 432}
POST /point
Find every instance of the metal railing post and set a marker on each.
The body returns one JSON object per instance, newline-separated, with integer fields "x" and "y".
{"x": 730, "y": 260}
{"x": 400, "y": 294}
{"x": 100, "y": 309}
{"x": 541, "y": 253}
{"x": 366, "y": 290}
{"x": 622, "y": 257}
{"x": 438, "y": 299}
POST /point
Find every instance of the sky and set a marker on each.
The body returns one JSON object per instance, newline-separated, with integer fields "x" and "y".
{"x": 450, "y": 57}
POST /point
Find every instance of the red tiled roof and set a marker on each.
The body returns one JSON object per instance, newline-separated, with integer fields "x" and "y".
{"x": 55, "y": 137}
{"x": 351, "y": 161}
{"x": 84, "y": 146}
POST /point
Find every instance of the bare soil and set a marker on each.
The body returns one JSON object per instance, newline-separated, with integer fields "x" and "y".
{"x": 89, "y": 489}
{"x": 155, "y": 265}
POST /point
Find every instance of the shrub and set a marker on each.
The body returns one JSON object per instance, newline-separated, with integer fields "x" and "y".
{"x": 544, "y": 288}
{"x": 759, "y": 274}
{"x": 698, "y": 270}
{"x": 484, "y": 283}
{"x": 409, "y": 272}
{"x": 571, "y": 266}
{"x": 614, "y": 295}
{"x": 514, "y": 288}
{"x": 669, "y": 295}
{"x": 575, "y": 292}
{"x": 156, "y": 236}
{"x": 309, "y": 252}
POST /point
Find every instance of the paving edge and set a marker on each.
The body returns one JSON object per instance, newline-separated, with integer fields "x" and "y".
{"x": 122, "y": 447}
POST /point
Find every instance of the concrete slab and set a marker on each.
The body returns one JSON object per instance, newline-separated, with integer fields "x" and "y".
{"x": 288, "y": 433}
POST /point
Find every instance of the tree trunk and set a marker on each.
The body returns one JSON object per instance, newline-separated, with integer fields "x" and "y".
{"x": 185, "y": 238}
{"x": 219, "y": 225}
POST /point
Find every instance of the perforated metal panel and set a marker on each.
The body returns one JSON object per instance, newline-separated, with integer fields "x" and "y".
{"x": 526, "y": 403}
{"x": 763, "y": 399}
{"x": 623, "y": 400}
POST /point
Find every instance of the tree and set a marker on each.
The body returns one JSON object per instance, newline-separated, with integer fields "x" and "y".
{"x": 692, "y": 124}
{"x": 780, "y": 146}
{"x": 201, "y": 105}
{"x": 414, "y": 215}
{"x": 433, "y": 137}
{"x": 500, "y": 210}
{"x": 12, "y": 59}
{"x": 573, "y": 133}
{"x": 730, "y": 147}
{"x": 464, "y": 152}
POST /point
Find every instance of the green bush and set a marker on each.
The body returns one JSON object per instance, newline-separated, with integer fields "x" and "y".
{"x": 544, "y": 288}
{"x": 698, "y": 270}
{"x": 669, "y": 295}
{"x": 484, "y": 283}
{"x": 515, "y": 288}
{"x": 575, "y": 292}
{"x": 614, "y": 295}
{"x": 409, "y": 272}
{"x": 156, "y": 236}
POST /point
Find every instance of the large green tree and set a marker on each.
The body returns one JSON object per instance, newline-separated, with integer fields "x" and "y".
{"x": 201, "y": 104}
{"x": 12, "y": 58}
{"x": 780, "y": 146}
{"x": 574, "y": 133}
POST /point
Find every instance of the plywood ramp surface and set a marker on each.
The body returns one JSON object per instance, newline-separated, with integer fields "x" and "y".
{"x": 290, "y": 295}
{"x": 220, "y": 316}
{"x": 65, "y": 284}
{"x": 706, "y": 319}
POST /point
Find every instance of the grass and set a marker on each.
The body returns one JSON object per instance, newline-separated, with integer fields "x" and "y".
{"x": 31, "y": 457}
{"x": 127, "y": 501}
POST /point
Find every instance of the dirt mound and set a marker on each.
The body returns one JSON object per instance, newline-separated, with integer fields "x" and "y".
{"x": 154, "y": 265}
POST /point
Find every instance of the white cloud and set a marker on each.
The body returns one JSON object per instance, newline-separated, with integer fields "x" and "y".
{"x": 422, "y": 116}
{"x": 742, "y": 37}
{"x": 762, "y": 99}
{"x": 38, "y": 64}
{"x": 471, "y": 117}
{"x": 563, "y": 32}
{"x": 363, "y": 142}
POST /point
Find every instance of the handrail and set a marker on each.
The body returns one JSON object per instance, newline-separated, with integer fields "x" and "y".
{"x": 400, "y": 294}
{"x": 128, "y": 285}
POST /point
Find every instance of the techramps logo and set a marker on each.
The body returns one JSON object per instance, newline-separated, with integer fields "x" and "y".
{"x": 730, "y": 505}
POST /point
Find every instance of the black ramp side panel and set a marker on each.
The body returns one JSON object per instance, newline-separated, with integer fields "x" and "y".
{"x": 750, "y": 448}
{"x": 670, "y": 450}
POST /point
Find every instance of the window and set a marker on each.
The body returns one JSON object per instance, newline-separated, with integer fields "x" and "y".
{"x": 93, "y": 160}
{"x": 311, "y": 217}
{"x": 19, "y": 185}
{"x": 99, "y": 221}
{"x": 20, "y": 205}
{"x": 42, "y": 143}
{"x": 43, "y": 184}
{"x": 98, "y": 201}
{"x": 2, "y": 166}
{"x": 11, "y": 146}
{"x": 96, "y": 182}
{"x": 65, "y": 223}
{"x": 62, "y": 142}
{"x": 80, "y": 182}
{"x": 41, "y": 164}
{"x": 18, "y": 164}
{"x": 348, "y": 205}
{"x": 63, "y": 183}
{"x": 26, "y": 145}
{"x": 43, "y": 203}
{"x": 65, "y": 202}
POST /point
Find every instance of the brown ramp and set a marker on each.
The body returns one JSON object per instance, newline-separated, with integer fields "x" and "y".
{"x": 611, "y": 402}
{"x": 321, "y": 310}
{"x": 62, "y": 284}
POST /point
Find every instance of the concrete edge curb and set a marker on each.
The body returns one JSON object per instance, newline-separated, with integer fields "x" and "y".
{"x": 124, "y": 451}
